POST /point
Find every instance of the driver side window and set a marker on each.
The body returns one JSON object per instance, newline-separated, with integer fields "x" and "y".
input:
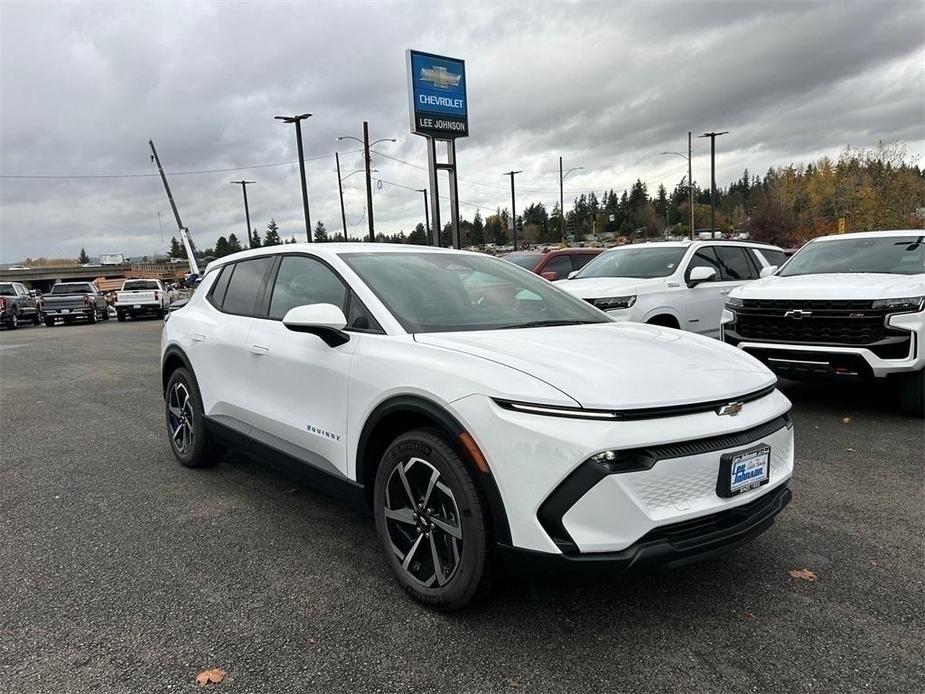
{"x": 705, "y": 257}
{"x": 302, "y": 280}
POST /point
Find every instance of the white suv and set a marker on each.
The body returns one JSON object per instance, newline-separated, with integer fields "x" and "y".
{"x": 678, "y": 284}
{"x": 478, "y": 410}
{"x": 847, "y": 305}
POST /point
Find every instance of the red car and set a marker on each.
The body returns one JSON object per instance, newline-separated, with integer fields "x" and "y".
{"x": 553, "y": 265}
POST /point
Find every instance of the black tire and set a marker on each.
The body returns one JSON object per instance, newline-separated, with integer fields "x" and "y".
{"x": 49, "y": 322}
{"x": 12, "y": 322}
{"x": 912, "y": 393}
{"x": 120, "y": 316}
{"x": 192, "y": 445}
{"x": 105, "y": 315}
{"x": 92, "y": 317}
{"x": 36, "y": 319}
{"x": 464, "y": 576}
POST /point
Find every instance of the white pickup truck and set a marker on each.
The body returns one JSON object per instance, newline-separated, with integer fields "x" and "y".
{"x": 142, "y": 298}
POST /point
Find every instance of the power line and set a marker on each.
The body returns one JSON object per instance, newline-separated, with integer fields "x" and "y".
{"x": 173, "y": 173}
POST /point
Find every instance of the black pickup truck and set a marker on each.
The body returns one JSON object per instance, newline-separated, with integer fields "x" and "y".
{"x": 17, "y": 306}
{"x": 74, "y": 300}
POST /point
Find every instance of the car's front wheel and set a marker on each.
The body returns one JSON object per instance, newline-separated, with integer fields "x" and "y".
{"x": 192, "y": 446}
{"x": 432, "y": 521}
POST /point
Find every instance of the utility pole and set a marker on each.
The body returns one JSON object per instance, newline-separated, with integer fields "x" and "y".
{"x": 369, "y": 181}
{"x": 513, "y": 207}
{"x": 713, "y": 136}
{"x": 247, "y": 213}
{"x": 298, "y": 138}
{"x": 426, "y": 215}
{"x": 690, "y": 184}
{"x": 340, "y": 190}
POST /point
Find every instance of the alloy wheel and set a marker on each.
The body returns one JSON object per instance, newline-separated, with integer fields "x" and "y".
{"x": 423, "y": 523}
{"x": 180, "y": 417}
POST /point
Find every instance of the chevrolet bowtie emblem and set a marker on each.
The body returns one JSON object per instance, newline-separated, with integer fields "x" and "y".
{"x": 730, "y": 408}
{"x": 798, "y": 314}
{"x": 440, "y": 77}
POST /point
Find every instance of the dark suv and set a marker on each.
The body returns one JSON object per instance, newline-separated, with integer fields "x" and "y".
{"x": 553, "y": 265}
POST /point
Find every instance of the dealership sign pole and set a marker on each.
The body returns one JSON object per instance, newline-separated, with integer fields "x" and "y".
{"x": 439, "y": 112}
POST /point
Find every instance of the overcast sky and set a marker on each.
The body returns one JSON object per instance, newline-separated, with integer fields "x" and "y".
{"x": 606, "y": 85}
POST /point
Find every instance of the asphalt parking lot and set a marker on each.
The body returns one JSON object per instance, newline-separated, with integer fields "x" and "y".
{"x": 121, "y": 571}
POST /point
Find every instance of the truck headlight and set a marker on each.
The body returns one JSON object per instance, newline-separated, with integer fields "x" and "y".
{"x": 733, "y": 303}
{"x": 613, "y": 303}
{"x": 902, "y": 305}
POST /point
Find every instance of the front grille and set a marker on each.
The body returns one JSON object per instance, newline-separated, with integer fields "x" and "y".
{"x": 843, "y": 322}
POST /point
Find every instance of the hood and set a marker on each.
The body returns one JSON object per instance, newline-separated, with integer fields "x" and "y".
{"x": 847, "y": 285}
{"x": 617, "y": 365}
{"x": 597, "y": 287}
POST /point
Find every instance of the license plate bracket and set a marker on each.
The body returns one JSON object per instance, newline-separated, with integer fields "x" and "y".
{"x": 742, "y": 471}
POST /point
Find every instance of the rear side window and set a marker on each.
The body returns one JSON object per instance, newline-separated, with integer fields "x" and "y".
{"x": 561, "y": 265}
{"x": 579, "y": 260}
{"x": 217, "y": 295}
{"x": 774, "y": 257}
{"x": 735, "y": 264}
{"x": 244, "y": 285}
{"x": 302, "y": 280}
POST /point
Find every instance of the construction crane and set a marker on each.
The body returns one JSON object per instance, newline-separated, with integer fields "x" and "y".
{"x": 184, "y": 232}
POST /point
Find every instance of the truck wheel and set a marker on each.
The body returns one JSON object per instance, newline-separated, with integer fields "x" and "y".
{"x": 36, "y": 319}
{"x": 106, "y": 315}
{"x": 13, "y": 322}
{"x": 120, "y": 316}
{"x": 92, "y": 317}
{"x": 912, "y": 393}
{"x": 49, "y": 322}
{"x": 191, "y": 443}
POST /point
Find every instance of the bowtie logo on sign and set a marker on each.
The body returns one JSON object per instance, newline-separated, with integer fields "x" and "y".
{"x": 440, "y": 77}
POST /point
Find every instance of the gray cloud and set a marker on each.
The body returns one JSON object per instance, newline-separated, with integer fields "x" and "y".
{"x": 607, "y": 86}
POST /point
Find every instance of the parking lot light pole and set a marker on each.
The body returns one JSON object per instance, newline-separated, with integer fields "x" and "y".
{"x": 713, "y": 136}
{"x": 426, "y": 215}
{"x": 690, "y": 181}
{"x": 247, "y": 214}
{"x": 513, "y": 207}
{"x": 298, "y": 138}
{"x": 562, "y": 198}
{"x": 369, "y": 181}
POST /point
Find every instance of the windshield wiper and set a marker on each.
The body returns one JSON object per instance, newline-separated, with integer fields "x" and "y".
{"x": 549, "y": 323}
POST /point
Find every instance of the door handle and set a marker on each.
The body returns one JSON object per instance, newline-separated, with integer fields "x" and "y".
{"x": 259, "y": 350}
{"x": 197, "y": 337}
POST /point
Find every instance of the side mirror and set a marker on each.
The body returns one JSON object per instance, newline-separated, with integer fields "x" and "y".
{"x": 768, "y": 271}
{"x": 550, "y": 275}
{"x": 572, "y": 274}
{"x": 700, "y": 274}
{"x": 326, "y": 321}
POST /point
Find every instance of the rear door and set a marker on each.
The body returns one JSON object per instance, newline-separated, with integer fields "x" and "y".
{"x": 737, "y": 266}
{"x": 705, "y": 299}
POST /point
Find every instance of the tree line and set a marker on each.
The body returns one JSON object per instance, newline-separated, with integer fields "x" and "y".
{"x": 864, "y": 189}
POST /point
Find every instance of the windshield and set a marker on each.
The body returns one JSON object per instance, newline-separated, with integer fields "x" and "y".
{"x": 7, "y": 290}
{"x": 640, "y": 262}
{"x": 527, "y": 260}
{"x": 895, "y": 255}
{"x": 71, "y": 289}
{"x": 139, "y": 284}
{"x": 449, "y": 292}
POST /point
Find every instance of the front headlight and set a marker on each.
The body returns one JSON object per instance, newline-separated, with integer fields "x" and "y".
{"x": 612, "y": 303}
{"x": 908, "y": 303}
{"x": 732, "y": 303}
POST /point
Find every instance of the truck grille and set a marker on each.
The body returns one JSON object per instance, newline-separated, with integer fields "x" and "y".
{"x": 844, "y": 322}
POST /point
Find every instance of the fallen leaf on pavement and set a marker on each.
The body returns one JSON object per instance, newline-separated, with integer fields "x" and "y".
{"x": 749, "y": 615}
{"x": 847, "y": 420}
{"x": 805, "y": 574}
{"x": 212, "y": 676}
{"x": 850, "y": 450}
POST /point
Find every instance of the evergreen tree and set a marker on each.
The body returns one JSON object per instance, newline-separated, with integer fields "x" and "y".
{"x": 176, "y": 249}
{"x": 292, "y": 239}
{"x": 272, "y": 236}
{"x": 221, "y": 247}
{"x": 321, "y": 234}
{"x": 83, "y": 259}
{"x": 255, "y": 239}
{"x": 418, "y": 236}
{"x": 233, "y": 244}
{"x": 477, "y": 233}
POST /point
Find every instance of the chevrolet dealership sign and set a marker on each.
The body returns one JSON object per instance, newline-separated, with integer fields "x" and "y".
{"x": 437, "y": 88}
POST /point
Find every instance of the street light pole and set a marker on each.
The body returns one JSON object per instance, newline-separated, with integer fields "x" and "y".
{"x": 562, "y": 198}
{"x": 690, "y": 184}
{"x": 247, "y": 214}
{"x": 298, "y": 138}
{"x": 513, "y": 207}
{"x": 340, "y": 190}
{"x": 713, "y": 136}
{"x": 426, "y": 215}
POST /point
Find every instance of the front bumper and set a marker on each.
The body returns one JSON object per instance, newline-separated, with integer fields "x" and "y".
{"x": 666, "y": 547}
{"x": 555, "y": 502}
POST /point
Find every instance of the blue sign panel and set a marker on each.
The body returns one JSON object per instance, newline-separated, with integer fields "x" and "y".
{"x": 437, "y": 88}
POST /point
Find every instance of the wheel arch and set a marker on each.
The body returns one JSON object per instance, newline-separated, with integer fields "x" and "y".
{"x": 174, "y": 358}
{"x": 664, "y": 317}
{"x": 402, "y": 413}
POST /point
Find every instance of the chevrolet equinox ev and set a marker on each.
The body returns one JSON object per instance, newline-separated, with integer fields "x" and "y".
{"x": 483, "y": 414}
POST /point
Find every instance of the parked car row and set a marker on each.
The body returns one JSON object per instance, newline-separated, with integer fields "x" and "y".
{"x": 81, "y": 301}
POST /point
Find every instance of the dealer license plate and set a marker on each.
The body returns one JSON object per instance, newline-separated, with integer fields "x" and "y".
{"x": 137, "y": 306}
{"x": 744, "y": 470}
{"x": 65, "y": 310}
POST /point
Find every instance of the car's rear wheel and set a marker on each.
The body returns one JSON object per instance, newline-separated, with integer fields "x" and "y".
{"x": 432, "y": 521}
{"x": 13, "y": 322}
{"x": 36, "y": 319}
{"x": 49, "y": 322}
{"x": 120, "y": 316}
{"x": 912, "y": 393}
{"x": 92, "y": 317}
{"x": 191, "y": 444}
